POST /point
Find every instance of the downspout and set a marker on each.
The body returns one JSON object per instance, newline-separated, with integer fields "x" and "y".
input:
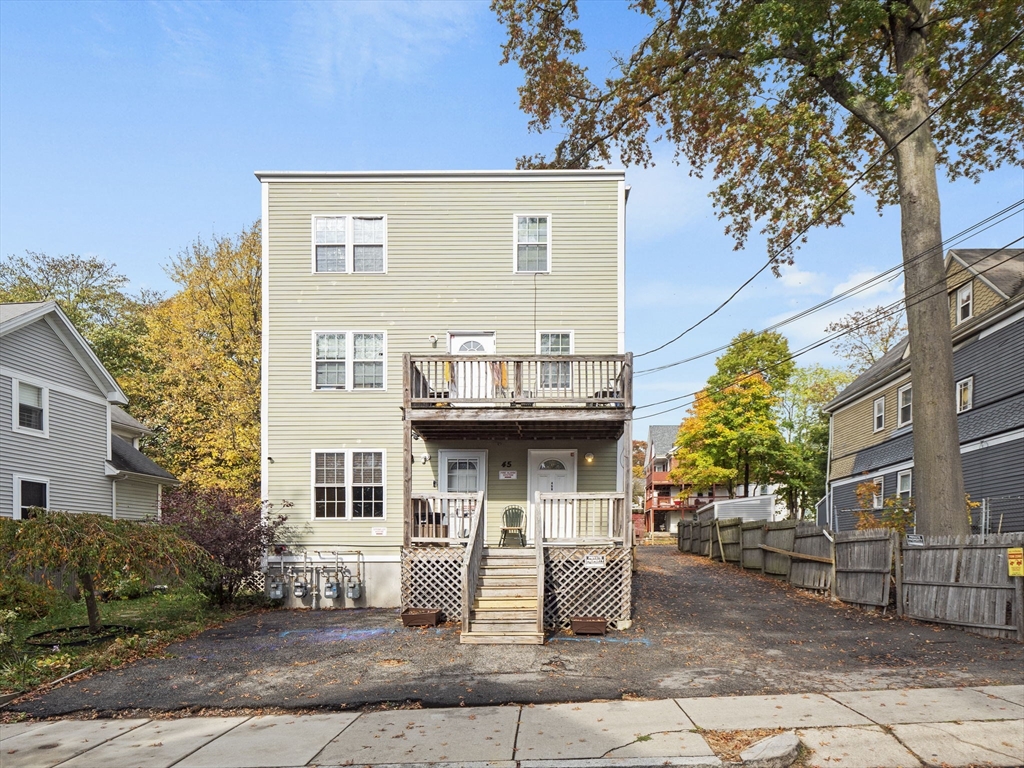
{"x": 828, "y": 475}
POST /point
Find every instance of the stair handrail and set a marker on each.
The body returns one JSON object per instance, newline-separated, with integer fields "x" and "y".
{"x": 471, "y": 561}
{"x": 538, "y": 544}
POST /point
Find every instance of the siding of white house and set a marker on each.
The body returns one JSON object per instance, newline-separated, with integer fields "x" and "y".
{"x": 136, "y": 499}
{"x": 449, "y": 259}
{"x": 72, "y": 456}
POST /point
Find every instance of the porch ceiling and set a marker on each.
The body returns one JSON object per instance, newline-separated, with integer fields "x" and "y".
{"x": 508, "y": 424}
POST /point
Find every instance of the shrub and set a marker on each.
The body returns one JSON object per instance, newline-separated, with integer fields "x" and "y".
{"x": 235, "y": 530}
{"x": 28, "y": 598}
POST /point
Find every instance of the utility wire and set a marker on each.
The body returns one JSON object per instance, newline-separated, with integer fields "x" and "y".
{"x": 887, "y": 311}
{"x": 990, "y": 221}
{"x": 846, "y": 190}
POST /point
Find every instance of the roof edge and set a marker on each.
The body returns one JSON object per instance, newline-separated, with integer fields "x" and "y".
{"x": 270, "y": 175}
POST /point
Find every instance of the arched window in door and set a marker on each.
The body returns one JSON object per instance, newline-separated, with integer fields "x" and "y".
{"x": 554, "y": 464}
{"x": 472, "y": 346}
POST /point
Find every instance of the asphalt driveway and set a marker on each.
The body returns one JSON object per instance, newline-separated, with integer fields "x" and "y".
{"x": 701, "y": 629}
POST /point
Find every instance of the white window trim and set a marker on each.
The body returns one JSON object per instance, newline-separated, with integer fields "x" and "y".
{"x": 348, "y": 485}
{"x": 967, "y": 289}
{"x": 15, "y": 426}
{"x": 910, "y": 483}
{"x": 17, "y": 491}
{"x": 880, "y": 493}
{"x": 349, "y": 250}
{"x": 875, "y": 414}
{"x": 899, "y": 406}
{"x": 572, "y": 338}
{"x": 515, "y": 244}
{"x": 349, "y": 361}
{"x": 969, "y": 383}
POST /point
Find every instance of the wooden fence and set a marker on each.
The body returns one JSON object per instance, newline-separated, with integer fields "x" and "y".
{"x": 962, "y": 582}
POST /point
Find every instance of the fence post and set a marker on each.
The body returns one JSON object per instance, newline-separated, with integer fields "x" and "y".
{"x": 1018, "y": 605}
{"x": 897, "y": 553}
{"x": 832, "y": 550}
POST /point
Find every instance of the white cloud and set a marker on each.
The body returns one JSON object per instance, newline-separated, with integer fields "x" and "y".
{"x": 795, "y": 278}
{"x": 663, "y": 200}
{"x": 879, "y": 287}
{"x": 336, "y": 46}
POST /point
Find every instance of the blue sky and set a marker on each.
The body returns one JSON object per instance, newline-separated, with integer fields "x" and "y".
{"x": 129, "y": 129}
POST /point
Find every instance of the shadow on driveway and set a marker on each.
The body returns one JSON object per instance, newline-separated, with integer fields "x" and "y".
{"x": 701, "y": 629}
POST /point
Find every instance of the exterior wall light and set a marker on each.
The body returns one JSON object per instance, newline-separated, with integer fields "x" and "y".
{"x": 589, "y": 458}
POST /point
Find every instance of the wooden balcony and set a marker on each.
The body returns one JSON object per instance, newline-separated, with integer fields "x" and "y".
{"x": 504, "y": 397}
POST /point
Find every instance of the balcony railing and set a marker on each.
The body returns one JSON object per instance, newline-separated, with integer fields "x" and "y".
{"x": 442, "y": 518}
{"x": 535, "y": 380}
{"x": 580, "y": 518}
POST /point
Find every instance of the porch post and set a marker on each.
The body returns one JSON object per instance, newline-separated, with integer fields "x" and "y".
{"x": 406, "y": 452}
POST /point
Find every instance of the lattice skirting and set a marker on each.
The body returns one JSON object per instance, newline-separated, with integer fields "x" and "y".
{"x": 570, "y": 589}
{"x": 432, "y": 578}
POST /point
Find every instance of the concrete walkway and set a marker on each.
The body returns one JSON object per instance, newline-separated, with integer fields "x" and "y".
{"x": 866, "y": 729}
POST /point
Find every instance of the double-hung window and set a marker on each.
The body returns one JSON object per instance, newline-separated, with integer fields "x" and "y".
{"x": 31, "y": 414}
{"x": 349, "y": 244}
{"x": 533, "y": 243}
{"x": 30, "y": 492}
{"x": 348, "y": 360}
{"x": 903, "y": 485}
{"x": 348, "y": 485}
{"x": 905, "y": 402}
{"x": 554, "y": 374}
{"x": 965, "y": 302}
{"x": 965, "y": 394}
{"x": 879, "y": 411}
{"x": 878, "y": 493}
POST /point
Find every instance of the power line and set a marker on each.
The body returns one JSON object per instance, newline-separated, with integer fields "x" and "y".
{"x": 887, "y": 311}
{"x": 846, "y": 190}
{"x": 860, "y": 287}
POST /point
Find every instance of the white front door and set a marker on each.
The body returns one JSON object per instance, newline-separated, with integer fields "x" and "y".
{"x": 461, "y": 472}
{"x": 472, "y": 380}
{"x": 553, "y": 472}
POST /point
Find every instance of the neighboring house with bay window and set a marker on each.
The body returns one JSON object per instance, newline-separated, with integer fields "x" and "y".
{"x": 873, "y": 418}
{"x": 65, "y": 443}
{"x": 440, "y": 347}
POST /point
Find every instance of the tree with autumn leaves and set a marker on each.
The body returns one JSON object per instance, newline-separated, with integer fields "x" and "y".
{"x": 790, "y": 105}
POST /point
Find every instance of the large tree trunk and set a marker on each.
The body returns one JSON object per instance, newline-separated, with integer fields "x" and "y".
{"x": 939, "y": 479}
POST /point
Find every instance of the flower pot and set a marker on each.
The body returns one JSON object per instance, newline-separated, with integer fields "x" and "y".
{"x": 589, "y": 625}
{"x": 421, "y": 617}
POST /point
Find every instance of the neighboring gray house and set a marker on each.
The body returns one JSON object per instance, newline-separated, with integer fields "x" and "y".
{"x": 872, "y": 419}
{"x": 64, "y": 442}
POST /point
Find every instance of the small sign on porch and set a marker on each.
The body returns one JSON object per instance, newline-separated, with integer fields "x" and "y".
{"x": 378, "y": 531}
{"x": 595, "y": 561}
{"x": 508, "y": 474}
{"x": 915, "y": 540}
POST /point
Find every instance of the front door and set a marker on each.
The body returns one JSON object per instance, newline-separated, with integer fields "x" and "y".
{"x": 472, "y": 380}
{"x": 553, "y": 472}
{"x": 461, "y": 472}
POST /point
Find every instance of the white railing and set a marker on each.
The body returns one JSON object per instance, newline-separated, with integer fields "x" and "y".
{"x": 443, "y": 518}
{"x": 571, "y": 518}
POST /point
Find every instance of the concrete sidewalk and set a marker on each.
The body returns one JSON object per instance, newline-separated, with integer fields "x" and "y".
{"x": 869, "y": 729}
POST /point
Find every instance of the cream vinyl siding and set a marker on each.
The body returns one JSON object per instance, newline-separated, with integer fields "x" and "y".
{"x": 449, "y": 242}
{"x": 853, "y": 426}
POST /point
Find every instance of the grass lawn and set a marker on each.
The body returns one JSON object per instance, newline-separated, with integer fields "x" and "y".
{"x": 156, "y": 619}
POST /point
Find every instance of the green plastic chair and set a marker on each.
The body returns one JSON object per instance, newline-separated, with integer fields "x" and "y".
{"x": 512, "y": 524}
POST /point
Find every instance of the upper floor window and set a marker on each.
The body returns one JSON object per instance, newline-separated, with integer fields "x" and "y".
{"x": 533, "y": 241}
{"x": 879, "y": 418}
{"x": 344, "y": 360}
{"x": 555, "y": 375}
{"x": 965, "y": 394}
{"x": 906, "y": 405}
{"x": 349, "y": 244}
{"x": 878, "y": 492}
{"x": 965, "y": 303}
{"x": 31, "y": 415}
{"x": 348, "y": 484}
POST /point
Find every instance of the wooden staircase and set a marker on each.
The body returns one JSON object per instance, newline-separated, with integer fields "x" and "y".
{"x": 505, "y": 608}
